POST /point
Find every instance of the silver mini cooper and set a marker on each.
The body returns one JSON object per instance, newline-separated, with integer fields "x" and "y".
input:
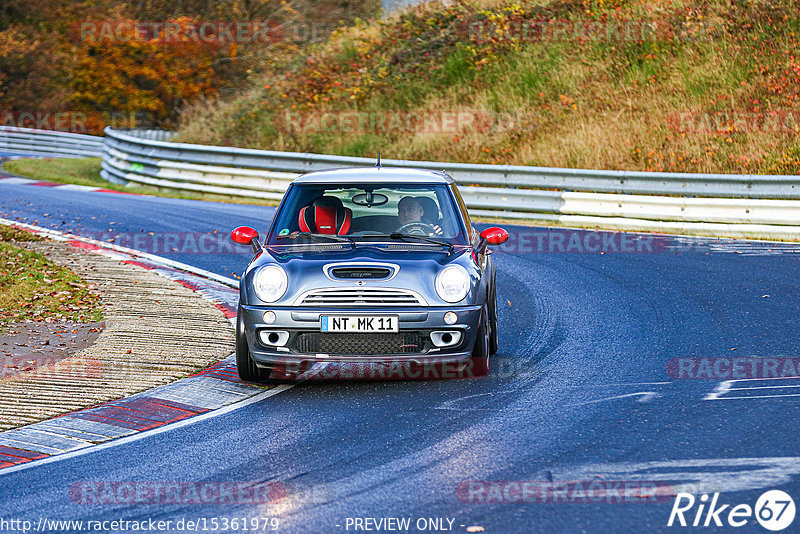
{"x": 375, "y": 265}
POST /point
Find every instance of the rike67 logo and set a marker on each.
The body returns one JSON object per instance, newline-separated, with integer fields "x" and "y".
{"x": 774, "y": 510}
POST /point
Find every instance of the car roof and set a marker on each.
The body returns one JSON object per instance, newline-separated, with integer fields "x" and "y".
{"x": 375, "y": 175}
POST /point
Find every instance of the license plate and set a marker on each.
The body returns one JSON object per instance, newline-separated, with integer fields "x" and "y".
{"x": 358, "y": 323}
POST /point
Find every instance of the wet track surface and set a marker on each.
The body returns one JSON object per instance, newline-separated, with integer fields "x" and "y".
{"x": 579, "y": 391}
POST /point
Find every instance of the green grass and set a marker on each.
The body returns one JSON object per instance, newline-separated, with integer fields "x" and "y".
{"x": 33, "y": 288}
{"x": 9, "y": 234}
{"x": 86, "y": 171}
{"x": 80, "y": 171}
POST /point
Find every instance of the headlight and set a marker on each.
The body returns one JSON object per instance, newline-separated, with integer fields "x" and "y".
{"x": 270, "y": 283}
{"x": 452, "y": 283}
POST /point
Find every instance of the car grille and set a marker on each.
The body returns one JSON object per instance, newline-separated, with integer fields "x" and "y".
{"x": 360, "y": 344}
{"x": 361, "y": 296}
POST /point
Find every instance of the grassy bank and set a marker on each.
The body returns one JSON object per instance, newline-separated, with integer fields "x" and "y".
{"x": 33, "y": 288}
{"x": 79, "y": 171}
{"x": 685, "y": 86}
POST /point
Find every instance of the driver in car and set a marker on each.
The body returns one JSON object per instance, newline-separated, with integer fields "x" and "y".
{"x": 410, "y": 211}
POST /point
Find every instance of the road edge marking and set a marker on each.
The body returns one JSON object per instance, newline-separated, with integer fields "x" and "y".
{"x": 147, "y": 433}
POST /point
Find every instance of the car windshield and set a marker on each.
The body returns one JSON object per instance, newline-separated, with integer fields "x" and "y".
{"x": 409, "y": 213}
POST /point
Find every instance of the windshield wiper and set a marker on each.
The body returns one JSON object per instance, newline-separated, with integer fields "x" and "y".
{"x": 319, "y": 237}
{"x": 415, "y": 238}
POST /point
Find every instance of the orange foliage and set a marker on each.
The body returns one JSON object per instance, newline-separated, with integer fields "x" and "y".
{"x": 128, "y": 74}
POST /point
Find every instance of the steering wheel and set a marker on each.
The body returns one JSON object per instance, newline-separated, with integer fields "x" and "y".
{"x": 417, "y": 228}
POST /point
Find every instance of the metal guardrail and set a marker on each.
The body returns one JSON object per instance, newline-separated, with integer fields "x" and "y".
{"x": 507, "y": 176}
{"x": 49, "y": 143}
{"x": 755, "y": 206}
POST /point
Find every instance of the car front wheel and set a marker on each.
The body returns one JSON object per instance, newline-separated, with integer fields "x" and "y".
{"x": 493, "y": 340}
{"x": 481, "y": 349}
{"x": 247, "y": 368}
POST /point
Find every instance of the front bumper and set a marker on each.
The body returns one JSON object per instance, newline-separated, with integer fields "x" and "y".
{"x": 298, "y": 332}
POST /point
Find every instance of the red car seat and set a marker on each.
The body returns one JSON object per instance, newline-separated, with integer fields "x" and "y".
{"x": 325, "y": 215}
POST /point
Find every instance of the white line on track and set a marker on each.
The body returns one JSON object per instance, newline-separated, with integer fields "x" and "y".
{"x": 147, "y": 433}
{"x": 728, "y": 386}
{"x": 759, "y": 397}
{"x": 769, "y": 387}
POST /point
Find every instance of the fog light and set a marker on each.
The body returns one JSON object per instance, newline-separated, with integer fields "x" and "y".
{"x": 444, "y": 338}
{"x": 450, "y": 317}
{"x": 269, "y": 317}
{"x": 274, "y": 338}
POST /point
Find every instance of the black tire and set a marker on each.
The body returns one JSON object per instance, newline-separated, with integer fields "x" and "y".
{"x": 493, "y": 338}
{"x": 480, "y": 351}
{"x": 246, "y": 367}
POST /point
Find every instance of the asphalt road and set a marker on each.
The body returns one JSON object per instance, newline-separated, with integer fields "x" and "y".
{"x": 579, "y": 393}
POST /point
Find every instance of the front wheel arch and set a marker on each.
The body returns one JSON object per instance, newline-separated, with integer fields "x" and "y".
{"x": 245, "y": 366}
{"x": 479, "y": 360}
